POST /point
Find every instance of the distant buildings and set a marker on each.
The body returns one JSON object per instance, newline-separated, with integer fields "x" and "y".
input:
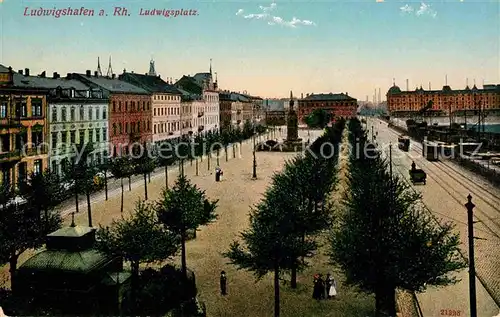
{"x": 338, "y": 105}
{"x": 43, "y": 119}
{"x": 130, "y": 114}
{"x": 166, "y": 101}
{"x": 443, "y": 101}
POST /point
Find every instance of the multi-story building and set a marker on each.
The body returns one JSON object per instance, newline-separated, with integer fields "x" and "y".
{"x": 76, "y": 114}
{"x": 444, "y": 101}
{"x": 23, "y": 127}
{"x": 233, "y": 104}
{"x": 275, "y": 117}
{"x": 338, "y": 105}
{"x": 129, "y": 108}
{"x": 166, "y": 104}
{"x": 200, "y": 94}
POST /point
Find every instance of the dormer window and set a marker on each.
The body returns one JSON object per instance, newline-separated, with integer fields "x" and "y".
{"x": 88, "y": 93}
{"x": 72, "y": 92}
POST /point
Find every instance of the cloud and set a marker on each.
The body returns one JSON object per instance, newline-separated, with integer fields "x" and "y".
{"x": 271, "y": 19}
{"x": 424, "y": 9}
{"x": 406, "y": 9}
{"x": 379, "y": 0}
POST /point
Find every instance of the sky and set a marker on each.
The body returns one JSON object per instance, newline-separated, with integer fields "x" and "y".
{"x": 266, "y": 48}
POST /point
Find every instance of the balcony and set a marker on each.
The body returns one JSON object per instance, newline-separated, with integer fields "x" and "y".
{"x": 11, "y": 156}
{"x": 200, "y": 114}
{"x": 38, "y": 150}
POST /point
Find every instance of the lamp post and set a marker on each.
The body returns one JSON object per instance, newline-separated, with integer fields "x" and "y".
{"x": 472, "y": 270}
{"x": 254, "y": 175}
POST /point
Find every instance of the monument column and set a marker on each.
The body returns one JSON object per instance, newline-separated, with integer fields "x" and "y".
{"x": 292, "y": 122}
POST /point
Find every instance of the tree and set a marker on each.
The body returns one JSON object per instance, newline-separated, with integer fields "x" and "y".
{"x": 184, "y": 207}
{"x": 120, "y": 168}
{"x": 104, "y": 168}
{"x": 166, "y": 158}
{"x": 318, "y": 118}
{"x": 21, "y": 229}
{"x": 301, "y": 191}
{"x": 144, "y": 164}
{"x": 6, "y": 194}
{"x": 43, "y": 191}
{"x": 385, "y": 240}
{"x": 138, "y": 239}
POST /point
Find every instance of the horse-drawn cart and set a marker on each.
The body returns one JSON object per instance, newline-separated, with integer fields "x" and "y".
{"x": 417, "y": 176}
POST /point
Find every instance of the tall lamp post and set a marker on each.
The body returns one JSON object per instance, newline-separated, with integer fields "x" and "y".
{"x": 472, "y": 269}
{"x": 254, "y": 175}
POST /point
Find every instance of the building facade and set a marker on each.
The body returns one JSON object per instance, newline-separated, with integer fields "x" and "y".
{"x": 200, "y": 99}
{"x": 166, "y": 104}
{"x": 23, "y": 127}
{"x": 338, "y": 105}
{"x": 129, "y": 108}
{"x": 444, "y": 101}
{"x": 275, "y": 117}
{"x": 77, "y": 114}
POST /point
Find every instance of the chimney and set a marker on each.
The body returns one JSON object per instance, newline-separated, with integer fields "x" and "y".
{"x": 26, "y": 72}
{"x": 20, "y": 71}
{"x": 113, "y": 76}
{"x": 301, "y": 95}
{"x": 87, "y": 73}
{"x": 10, "y": 69}
{"x": 95, "y": 73}
{"x": 54, "y": 75}
{"x": 43, "y": 74}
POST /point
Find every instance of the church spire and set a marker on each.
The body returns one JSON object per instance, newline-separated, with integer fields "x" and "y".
{"x": 152, "y": 71}
{"x": 110, "y": 69}
{"x": 99, "y": 71}
{"x": 210, "y": 67}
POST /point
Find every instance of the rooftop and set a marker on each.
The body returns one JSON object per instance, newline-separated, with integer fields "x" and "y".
{"x": 61, "y": 260}
{"x": 112, "y": 85}
{"x": 329, "y": 97}
{"x": 153, "y": 84}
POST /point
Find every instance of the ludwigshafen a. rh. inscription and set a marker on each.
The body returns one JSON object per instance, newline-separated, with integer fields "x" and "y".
{"x": 117, "y": 11}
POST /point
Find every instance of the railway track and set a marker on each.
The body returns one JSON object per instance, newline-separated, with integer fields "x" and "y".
{"x": 482, "y": 195}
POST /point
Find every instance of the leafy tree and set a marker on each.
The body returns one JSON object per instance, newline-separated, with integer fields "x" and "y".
{"x": 318, "y": 118}
{"x": 385, "y": 240}
{"x": 43, "y": 191}
{"x": 144, "y": 164}
{"x": 138, "y": 239}
{"x": 184, "y": 207}
{"x": 121, "y": 167}
{"x": 6, "y": 194}
{"x": 271, "y": 242}
{"x": 166, "y": 158}
{"x": 21, "y": 229}
{"x": 104, "y": 168}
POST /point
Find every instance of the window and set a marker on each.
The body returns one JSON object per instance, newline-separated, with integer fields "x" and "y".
{"x": 104, "y": 134}
{"x": 92, "y": 138}
{"x": 82, "y": 113}
{"x": 138, "y": 126}
{"x": 54, "y": 114}
{"x": 120, "y": 128}
{"x": 81, "y": 136}
{"x": 91, "y": 112}
{"x": 143, "y": 105}
{"x": 3, "y": 108}
{"x": 120, "y": 105}
{"x": 72, "y": 135}
{"x": 104, "y": 114}
{"x": 154, "y": 128}
{"x": 54, "y": 140}
{"x": 54, "y": 167}
{"x": 64, "y": 137}
{"x": 114, "y": 106}
{"x": 72, "y": 114}
{"x": 36, "y": 107}
{"x": 97, "y": 113}
{"x": 21, "y": 110}
{"x": 126, "y": 128}
{"x": 37, "y": 167}
{"x": 114, "y": 128}
{"x": 63, "y": 114}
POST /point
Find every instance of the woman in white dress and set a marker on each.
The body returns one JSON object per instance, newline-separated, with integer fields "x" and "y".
{"x": 332, "y": 292}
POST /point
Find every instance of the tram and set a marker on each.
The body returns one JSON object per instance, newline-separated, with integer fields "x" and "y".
{"x": 430, "y": 150}
{"x": 404, "y": 143}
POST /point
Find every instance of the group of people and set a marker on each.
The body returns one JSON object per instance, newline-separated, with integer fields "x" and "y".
{"x": 324, "y": 288}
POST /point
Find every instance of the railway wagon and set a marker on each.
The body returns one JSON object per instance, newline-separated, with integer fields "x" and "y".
{"x": 430, "y": 151}
{"x": 404, "y": 143}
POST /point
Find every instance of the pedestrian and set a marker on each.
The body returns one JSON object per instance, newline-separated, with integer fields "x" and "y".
{"x": 413, "y": 166}
{"x": 316, "y": 290}
{"x": 332, "y": 292}
{"x": 329, "y": 283}
{"x": 321, "y": 284}
{"x": 223, "y": 283}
